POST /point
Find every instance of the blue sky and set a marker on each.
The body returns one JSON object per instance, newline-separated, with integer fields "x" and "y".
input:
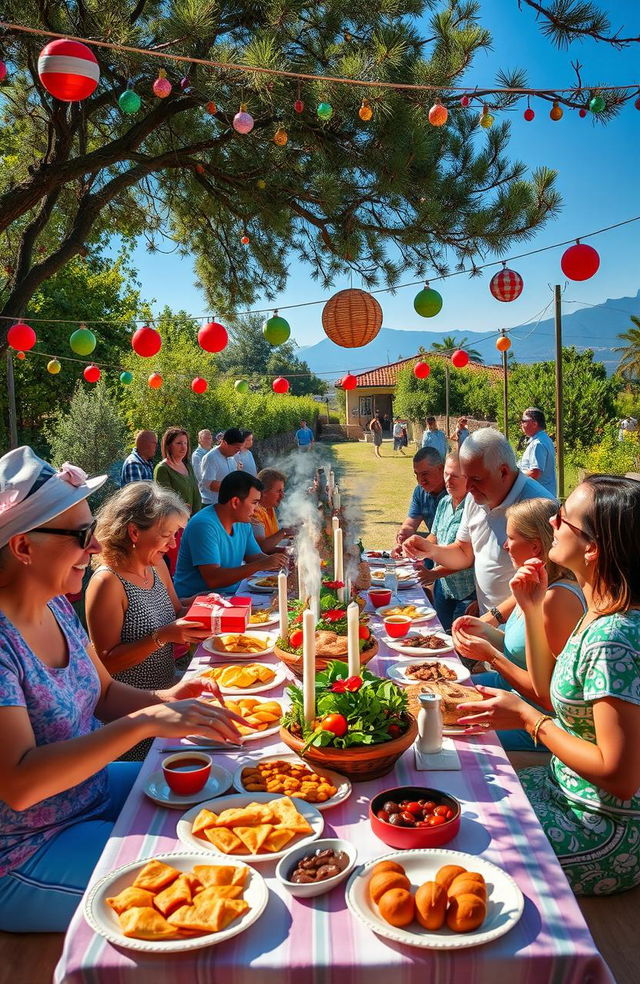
{"x": 597, "y": 177}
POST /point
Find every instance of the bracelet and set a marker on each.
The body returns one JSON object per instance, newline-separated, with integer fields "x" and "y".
{"x": 536, "y": 728}
{"x": 155, "y": 638}
{"x": 497, "y": 614}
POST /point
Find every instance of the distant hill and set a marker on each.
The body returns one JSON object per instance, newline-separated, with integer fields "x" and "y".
{"x": 595, "y": 327}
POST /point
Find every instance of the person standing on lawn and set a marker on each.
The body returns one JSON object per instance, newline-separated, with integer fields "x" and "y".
{"x": 539, "y": 458}
{"x": 398, "y": 435}
{"x": 375, "y": 426}
{"x": 433, "y": 437}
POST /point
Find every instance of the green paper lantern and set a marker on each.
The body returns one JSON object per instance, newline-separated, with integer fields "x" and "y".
{"x": 427, "y": 303}
{"x": 276, "y": 330}
{"x": 597, "y": 104}
{"x": 126, "y": 378}
{"x": 129, "y": 102}
{"x": 82, "y": 341}
{"x": 241, "y": 386}
{"x": 325, "y": 111}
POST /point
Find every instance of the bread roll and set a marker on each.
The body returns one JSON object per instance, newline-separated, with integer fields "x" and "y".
{"x": 446, "y": 874}
{"x": 431, "y": 905}
{"x": 397, "y": 907}
{"x": 385, "y": 880}
{"x": 465, "y": 913}
{"x": 469, "y": 883}
{"x": 387, "y": 866}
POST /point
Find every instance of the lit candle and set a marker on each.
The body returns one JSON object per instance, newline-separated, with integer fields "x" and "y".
{"x": 353, "y": 639}
{"x": 300, "y": 581}
{"x": 282, "y": 605}
{"x": 336, "y": 498}
{"x": 309, "y": 665}
{"x": 335, "y": 523}
{"x": 338, "y": 563}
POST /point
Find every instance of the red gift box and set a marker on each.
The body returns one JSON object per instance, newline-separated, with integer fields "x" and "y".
{"x": 219, "y": 614}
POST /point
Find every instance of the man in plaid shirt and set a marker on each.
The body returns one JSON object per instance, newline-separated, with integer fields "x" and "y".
{"x": 138, "y": 466}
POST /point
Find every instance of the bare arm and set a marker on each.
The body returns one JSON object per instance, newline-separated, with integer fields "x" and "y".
{"x": 455, "y": 556}
{"x": 215, "y": 576}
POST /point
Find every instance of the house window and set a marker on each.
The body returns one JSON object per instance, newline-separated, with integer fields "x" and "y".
{"x": 366, "y": 406}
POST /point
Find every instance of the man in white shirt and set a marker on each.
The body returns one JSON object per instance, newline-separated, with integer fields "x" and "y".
{"x": 398, "y": 436}
{"x": 218, "y": 463}
{"x": 494, "y": 483}
{"x": 205, "y": 443}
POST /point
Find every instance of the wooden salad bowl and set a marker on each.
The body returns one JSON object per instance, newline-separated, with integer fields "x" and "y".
{"x": 359, "y": 763}
{"x": 294, "y": 662}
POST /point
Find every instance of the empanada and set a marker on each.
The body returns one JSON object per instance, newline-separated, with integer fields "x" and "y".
{"x": 144, "y": 923}
{"x": 171, "y": 898}
{"x": 129, "y": 898}
{"x": 155, "y": 876}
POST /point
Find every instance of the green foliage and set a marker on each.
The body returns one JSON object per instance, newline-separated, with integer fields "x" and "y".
{"x": 248, "y": 352}
{"x": 610, "y": 455}
{"x": 629, "y": 365}
{"x": 471, "y": 391}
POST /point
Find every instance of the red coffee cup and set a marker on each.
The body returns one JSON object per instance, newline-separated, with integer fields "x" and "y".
{"x": 397, "y": 625}
{"x": 379, "y": 597}
{"x": 186, "y": 772}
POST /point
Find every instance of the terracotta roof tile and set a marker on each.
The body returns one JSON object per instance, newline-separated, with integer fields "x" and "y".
{"x": 388, "y": 375}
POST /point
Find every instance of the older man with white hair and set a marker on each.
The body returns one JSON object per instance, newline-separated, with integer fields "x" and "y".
{"x": 494, "y": 483}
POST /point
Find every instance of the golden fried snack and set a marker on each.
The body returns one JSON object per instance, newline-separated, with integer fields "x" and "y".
{"x": 257, "y": 828}
{"x": 240, "y": 676}
{"x": 292, "y": 778}
{"x": 239, "y": 643}
{"x": 145, "y": 923}
{"x": 260, "y": 714}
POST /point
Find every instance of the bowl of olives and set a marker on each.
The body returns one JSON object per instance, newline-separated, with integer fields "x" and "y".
{"x": 412, "y": 817}
{"x": 316, "y": 868}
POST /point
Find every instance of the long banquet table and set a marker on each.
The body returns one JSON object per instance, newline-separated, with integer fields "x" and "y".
{"x": 318, "y": 941}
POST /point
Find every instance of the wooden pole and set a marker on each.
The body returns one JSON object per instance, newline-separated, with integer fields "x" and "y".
{"x": 559, "y": 392}
{"x": 505, "y": 396}
{"x": 11, "y": 403}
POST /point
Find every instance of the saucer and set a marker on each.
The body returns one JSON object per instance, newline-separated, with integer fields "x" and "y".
{"x": 157, "y": 790}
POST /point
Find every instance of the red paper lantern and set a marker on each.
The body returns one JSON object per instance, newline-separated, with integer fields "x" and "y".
{"x": 506, "y": 285}
{"x": 68, "y": 70}
{"x": 280, "y": 385}
{"x": 21, "y": 336}
{"x": 155, "y": 381}
{"x": 146, "y": 342}
{"x": 349, "y": 382}
{"x": 199, "y": 385}
{"x": 459, "y": 359}
{"x": 421, "y": 370}
{"x": 91, "y": 374}
{"x": 213, "y": 337}
{"x": 580, "y": 262}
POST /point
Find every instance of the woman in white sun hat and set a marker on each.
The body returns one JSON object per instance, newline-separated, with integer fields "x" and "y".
{"x": 63, "y": 719}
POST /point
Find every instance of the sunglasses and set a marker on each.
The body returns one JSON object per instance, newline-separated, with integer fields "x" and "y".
{"x": 557, "y": 520}
{"x": 83, "y": 536}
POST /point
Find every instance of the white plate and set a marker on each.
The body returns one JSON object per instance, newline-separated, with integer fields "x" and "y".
{"x": 262, "y": 588}
{"x": 462, "y": 730}
{"x": 405, "y": 649}
{"x": 425, "y": 614}
{"x": 308, "y": 811}
{"x": 258, "y": 688}
{"x": 404, "y": 575}
{"x": 254, "y": 736}
{"x": 376, "y": 561}
{"x": 397, "y": 672}
{"x": 267, "y": 637}
{"x": 104, "y": 921}
{"x": 504, "y": 906}
{"x": 342, "y": 784}
{"x": 157, "y": 790}
{"x": 274, "y": 617}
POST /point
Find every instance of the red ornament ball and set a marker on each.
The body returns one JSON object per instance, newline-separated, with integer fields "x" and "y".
{"x": 349, "y": 382}
{"x": 68, "y": 70}
{"x": 506, "y": 285}
{"x": 580, "y": 262}
{"x": 582, "y": 113}
{"x": 21, "y": 336}
{"x": 465, "y": 101}
{"x": 199, "y": 385}
{"x": 460, "y": 359}
{"x": 146, "y": 342}
{"x": 636, "y": 103}
{"x": 20, "y": 355}
{"x": 280, "y": 385}
{"x": 245, "y": 240}
{"x": 298, "y": 106}
{"x": 213, "y": 337}
{"x": 528, "y": 114}
{"x": 155, "y": 381}
{"x": 421, "y": 370}
{"x": 91, "y": 374}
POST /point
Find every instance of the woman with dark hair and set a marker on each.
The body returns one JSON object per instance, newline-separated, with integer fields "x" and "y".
{"x": 588, "y": 801}
{"x": 175, "y": 470}
{"x": 244, "y": 458}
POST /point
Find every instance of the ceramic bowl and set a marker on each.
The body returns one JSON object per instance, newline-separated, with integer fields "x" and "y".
{"x": 289, "y": 862}
{"x": 413, "y": 838}
{"x": 380, "y": 597}
{"x": 192, "y": 777}
{"x": 397, "y": 626}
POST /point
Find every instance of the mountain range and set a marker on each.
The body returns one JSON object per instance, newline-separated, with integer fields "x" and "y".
{"x": 596, "y": 327}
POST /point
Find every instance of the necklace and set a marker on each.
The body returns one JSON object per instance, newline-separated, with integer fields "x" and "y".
{"x": 145, "y": 578}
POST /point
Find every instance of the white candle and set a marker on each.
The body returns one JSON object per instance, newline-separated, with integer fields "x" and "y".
{"x": 338, "y": 563}
{"x": 335, "y": 523}
{"x": 309, "y": 665}
{"x": 282, "y": 605}
{"x": 336, "y": 498}
{"x": 353, "y": 639}
{"x": 300, "y": 581}
{"x": 331, "y": 480}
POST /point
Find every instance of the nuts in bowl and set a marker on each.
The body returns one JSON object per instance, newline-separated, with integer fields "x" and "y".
{"x": 414, "y": 817}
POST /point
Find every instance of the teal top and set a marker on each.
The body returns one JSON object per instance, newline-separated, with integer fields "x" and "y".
{"x": 515, "y": 630}
{"x": 445, "y": 528}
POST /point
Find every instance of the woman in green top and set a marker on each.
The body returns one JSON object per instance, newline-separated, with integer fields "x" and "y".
{"x": 176, "y": 472}
{"x": 588, "y": 800}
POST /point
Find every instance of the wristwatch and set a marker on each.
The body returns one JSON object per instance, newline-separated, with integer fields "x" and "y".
{"x": 497, "y": 614}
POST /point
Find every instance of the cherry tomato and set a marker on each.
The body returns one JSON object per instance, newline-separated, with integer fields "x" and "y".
{"x": 441, "y": 811}
{"x": 408, "y": 818}
{"x": 383, "y": 815}
{"x": 429, "y": 806}
{"x": 435, "y": 821}
{"x": 295, "y": 639}
{"x": 396, "y": 820}
{"x": 394, "y": 730}
{"x": 422, "y": 823}
{"x": 336, "y": 723}
{"x": 363, "y": 632}
{"x": 449, "y": 813}
{"x": 414, "y": 808}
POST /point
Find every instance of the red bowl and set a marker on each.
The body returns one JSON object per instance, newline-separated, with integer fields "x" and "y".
{"x": 413, "y": 838}
{"x": 397, "y": 626}
{"x": 186, "y": 772}
{"x": 379, "y": 597}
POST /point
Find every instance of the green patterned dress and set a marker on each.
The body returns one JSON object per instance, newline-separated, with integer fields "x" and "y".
{"x": 595, "y": 835}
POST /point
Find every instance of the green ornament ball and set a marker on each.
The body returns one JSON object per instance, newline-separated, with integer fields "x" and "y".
{"x": 325, "y": 111}
{"x": 261, "y": 184}
{"x": 126, "y": 378}
{"x": 597, "y": 104}
{"x": 428, "y": 303}
{"x": 241, "y": 386}
{"x": 276, "y": 330}
{"x": 82, "y": 341}
{"x": 129, "y": 102}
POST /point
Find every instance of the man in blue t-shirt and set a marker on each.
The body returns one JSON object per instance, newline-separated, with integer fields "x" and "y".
{"x": 539, "y": 457}
{"x": 218, "y": 548}
{"x": 428, "y": 467}
{"x": 304, "y": 437}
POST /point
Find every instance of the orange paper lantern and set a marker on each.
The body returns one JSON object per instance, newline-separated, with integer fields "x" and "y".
{"x": 503, "y": 344}
{"x": 155, "y": 381}
{"x": 352, "y": 318}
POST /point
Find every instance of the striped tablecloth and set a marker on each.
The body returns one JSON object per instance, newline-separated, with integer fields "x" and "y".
{"x": 318, "y": 940}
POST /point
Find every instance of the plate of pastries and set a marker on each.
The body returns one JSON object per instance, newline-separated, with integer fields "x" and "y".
{"x": 241, "y": 645}
{"x": 289, "y": 775}
{"x": 246, "y": 678}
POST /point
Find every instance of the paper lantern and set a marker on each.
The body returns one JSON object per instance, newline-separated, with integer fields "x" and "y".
{"x": 421, "y": 370}
{"x": 465, "y": 101}
{"x": 129, "y": 102}
{"x": 582, "y": 113}
{"x": 3, "y": 71}
{"x": 427, "y": 302}
{"x": 155, "y": 381}
{"x": 82, "y": 341}
{"x": 53, "y": 366}
{"x": 366, "y": 111}
{"x": 280, "y": 385}
{"x": 146, "y": 342}
{"x": 556, "y": 112}
{"x": 126, "y": 378}
{"x": 324, "y": 111}
{"x": 212, "y": 109}
{"x": 199, "y": 385}
{"x": 92, "y": 374}
{"x": 213, "y": 337}
{"x": 459, "y": 359}
{"x": 241, "y": 386}
{"x": 580, "y": 262}
{"x": 68, "y": 70}
{"x": 352, "y": 318}
{"x": 280, "y": 137}
{"x": 162, "y": 87}
{"x": 503, "y": 344}
{"x": 637, "y": 103}
{"x": 243, "y": 121}
{"x": 349, "y": 382}
{"x": 506, "y": 285}
{"x": 438, "y": 114}
{"x": 276, "y": 330}
{"x": 245, "y": 240}
{"x": 486, "y": 119}
{"x": 21, "y": 336}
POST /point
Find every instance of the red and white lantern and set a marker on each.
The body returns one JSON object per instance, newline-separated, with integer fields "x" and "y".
{"x": 68, "y": 70}
{"x": 506, "y": 285}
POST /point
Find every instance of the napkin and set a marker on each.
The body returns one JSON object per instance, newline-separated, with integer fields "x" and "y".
{"x": 446, "y": 760}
